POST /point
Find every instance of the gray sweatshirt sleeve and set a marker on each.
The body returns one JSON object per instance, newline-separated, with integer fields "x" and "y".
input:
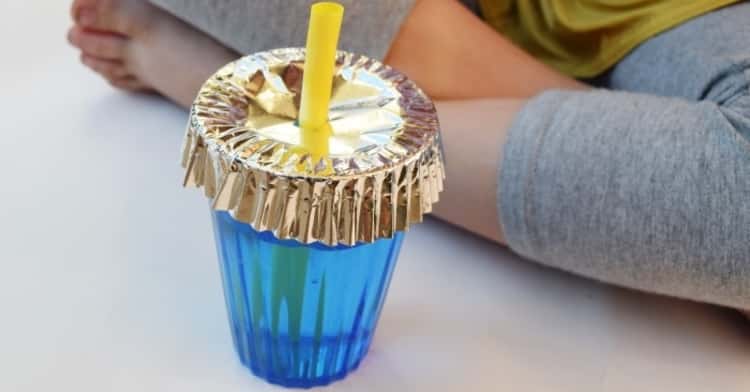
{"x": 648, "y": 189}
{"x": 643, "y": 191}
{"x": 249, "y": 26}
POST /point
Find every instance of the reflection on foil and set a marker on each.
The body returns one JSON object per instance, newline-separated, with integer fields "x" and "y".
{"x": 364, "y": 112}
{"x": 384, "y": 168}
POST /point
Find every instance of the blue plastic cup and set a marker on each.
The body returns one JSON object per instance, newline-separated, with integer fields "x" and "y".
{"x": 301, "y": 315}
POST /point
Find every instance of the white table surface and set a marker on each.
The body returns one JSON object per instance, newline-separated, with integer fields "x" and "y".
{"x": 109, "y": 280}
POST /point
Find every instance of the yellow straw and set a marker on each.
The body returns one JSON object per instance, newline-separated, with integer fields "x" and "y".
{"x": 320, "y": 58}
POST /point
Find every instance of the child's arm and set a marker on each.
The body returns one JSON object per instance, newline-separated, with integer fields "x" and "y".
{"x": 452, "y": 54}
{"x": 474, "y": 132}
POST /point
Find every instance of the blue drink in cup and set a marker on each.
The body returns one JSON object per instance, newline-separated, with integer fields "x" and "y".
{"x": 290, "y": 322}
{"x": 307, "y": 245}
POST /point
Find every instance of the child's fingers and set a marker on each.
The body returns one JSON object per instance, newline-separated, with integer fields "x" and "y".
{"x": 79, "y": 6}
{"x": 97, "y": 44}
{"x": 110, "y": 69}
{"x": 99, "y": 15}
{"x": 129, "y": 83}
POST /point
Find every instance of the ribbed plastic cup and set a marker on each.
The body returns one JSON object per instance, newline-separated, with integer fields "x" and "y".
{"x": 301, "y": 315}
{"x": 307, "y": 242}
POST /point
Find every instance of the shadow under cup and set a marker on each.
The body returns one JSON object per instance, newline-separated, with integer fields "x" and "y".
{"x": 301, "y": 315}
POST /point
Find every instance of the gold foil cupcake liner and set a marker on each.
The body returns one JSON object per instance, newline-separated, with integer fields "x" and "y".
{"x": 383, "y": 172}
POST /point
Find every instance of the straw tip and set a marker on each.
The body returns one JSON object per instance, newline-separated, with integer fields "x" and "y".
{"x": 327, "y": 7}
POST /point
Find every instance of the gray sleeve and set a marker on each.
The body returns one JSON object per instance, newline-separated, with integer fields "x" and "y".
{"x": 638, "y": 190}
{"x": 249, "y": 26}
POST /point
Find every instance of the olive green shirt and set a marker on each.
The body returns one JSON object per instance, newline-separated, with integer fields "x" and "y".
{"x": 583, "y": 38}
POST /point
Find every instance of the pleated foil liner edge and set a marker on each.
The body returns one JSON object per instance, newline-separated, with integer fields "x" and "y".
{"x": 336, "y": 209}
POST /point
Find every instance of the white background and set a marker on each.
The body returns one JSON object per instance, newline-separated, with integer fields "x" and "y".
{"x": 109, "y": 281}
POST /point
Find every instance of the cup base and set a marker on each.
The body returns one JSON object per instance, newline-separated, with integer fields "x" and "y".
{"x": 307, "y": 364}
{"x": 301, "y": 315}
{"x": 301, "y": 383}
